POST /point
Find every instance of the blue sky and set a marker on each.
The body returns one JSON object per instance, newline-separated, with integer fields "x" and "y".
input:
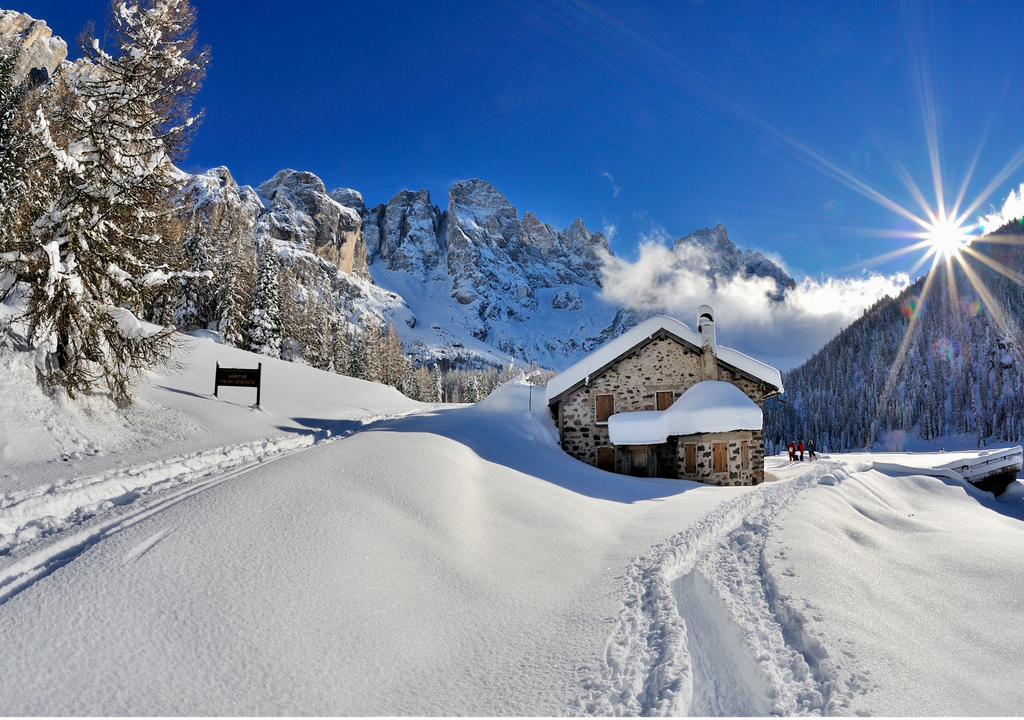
{"x": 655, "y": 118}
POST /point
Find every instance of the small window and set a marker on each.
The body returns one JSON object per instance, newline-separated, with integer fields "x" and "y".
{"x": 718, "y": 452}
{"x": 665, "y": 399}
{"x": 606, "y": 459}
{"x": 690, "y": 457}
{"x": 744, "y": 458}
{"x": 605, "y": 407}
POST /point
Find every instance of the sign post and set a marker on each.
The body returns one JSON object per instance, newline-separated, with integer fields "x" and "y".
{"x": 238, "y": 377}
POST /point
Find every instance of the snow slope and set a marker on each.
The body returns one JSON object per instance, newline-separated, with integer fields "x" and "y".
{"x": 343, "y": 550}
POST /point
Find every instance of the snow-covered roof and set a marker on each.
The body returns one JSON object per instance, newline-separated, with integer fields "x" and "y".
{"x": 622, "y": 345}
{"x": 712, "y": 406}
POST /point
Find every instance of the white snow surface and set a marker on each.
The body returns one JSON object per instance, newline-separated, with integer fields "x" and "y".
{"x": 711, "y": 406}
{"x": 582, "y": 370}
{"x": 345, "y": 551}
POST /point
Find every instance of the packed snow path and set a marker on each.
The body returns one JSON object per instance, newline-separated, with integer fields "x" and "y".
{"x": 701, "y": 634}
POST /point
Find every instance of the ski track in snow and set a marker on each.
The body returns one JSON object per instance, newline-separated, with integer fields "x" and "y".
{"x": 703, "y": 629}
{"x": 45, "y": 528}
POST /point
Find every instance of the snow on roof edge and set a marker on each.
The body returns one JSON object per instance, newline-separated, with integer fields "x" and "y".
{"x": 616, "y": 347}
{"x": 647, "y": 329}
{"x": 710, "y": 406}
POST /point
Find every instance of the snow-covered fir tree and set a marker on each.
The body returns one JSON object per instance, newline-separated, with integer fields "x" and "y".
{"x": 363, "y": 359}
{"x": 234, "y": 291}
{"x": 317, "y": 350}
{"x": 12, "y": 96}
{"x": 437, "y": 389}
{"x": 195, "y": 302}
{"x": 341, "y": 341}
{"x": 101, "y": 232}
{"x": 265, "y": 310}
{"x": 291, "y": 316}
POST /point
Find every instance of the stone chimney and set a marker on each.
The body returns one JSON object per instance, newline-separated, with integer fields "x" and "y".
{"x": 706, "y": 328}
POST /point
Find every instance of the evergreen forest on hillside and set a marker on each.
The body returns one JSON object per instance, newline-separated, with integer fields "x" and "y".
{"x": 961, "y": 372}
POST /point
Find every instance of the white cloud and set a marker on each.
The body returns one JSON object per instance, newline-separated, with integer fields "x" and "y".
{"x": 609, "y": 229}
{"x": 1013, "y": 209}
{"x": 784, "y": 334}
{"x": 615, "y": 190}
{"x": 657, "y": 236}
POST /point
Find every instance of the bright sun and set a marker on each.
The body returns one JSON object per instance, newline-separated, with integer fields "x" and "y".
{"x": 947, "y": 238}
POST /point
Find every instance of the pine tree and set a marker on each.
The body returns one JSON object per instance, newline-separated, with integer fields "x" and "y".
{"x": 195, "y": 305}
{"x": 437, "y": 394}
{"x": 99, "y": 240}
{"x": 316, "y": 341}
{"x": 341, "y": 341}
{"x": 393, "y": 360}
{"x": 292, "y": 317}
{"x": 235, "y": 288}
{"x": 265, "y": 311}
{"x": 368, "y": 355}
{"x": 473, "y": 393}
{"x": 12, "y": 96}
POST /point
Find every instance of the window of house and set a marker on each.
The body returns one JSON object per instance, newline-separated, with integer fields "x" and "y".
{"x": 664, "y": 400}
{"x": 605, "y": 407}
{"x": 744, "y": 458}
{"x": 606, "y": 459}
{"x": 690, "y": 458}
{"x": 718, "y": 455}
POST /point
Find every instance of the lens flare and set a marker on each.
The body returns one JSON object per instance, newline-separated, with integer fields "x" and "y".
{"x": 945, "y": 349}
{"x": 971, "y": 306}
{"x": 912, "y": 307}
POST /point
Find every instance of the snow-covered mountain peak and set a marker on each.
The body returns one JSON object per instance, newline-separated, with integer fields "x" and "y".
{"x": 405, "y": 234}
{"x": 478, "y": 198}
{"x": 299, "y": 211}
{"x": 349, "y": 198}
{"x": 725, "y": 260}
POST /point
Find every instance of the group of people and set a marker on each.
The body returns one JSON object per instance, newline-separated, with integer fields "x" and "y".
{"x": 799, "y": 447}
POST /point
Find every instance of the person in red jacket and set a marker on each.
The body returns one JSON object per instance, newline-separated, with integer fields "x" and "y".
{"x": 792, "y": 451}
{"x": 801, "y": 446}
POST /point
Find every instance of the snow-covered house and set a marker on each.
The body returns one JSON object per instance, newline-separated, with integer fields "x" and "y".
{"x": 664, "y": 401}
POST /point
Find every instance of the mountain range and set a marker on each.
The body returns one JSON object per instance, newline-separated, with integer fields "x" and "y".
{"x": 475, "y": 283}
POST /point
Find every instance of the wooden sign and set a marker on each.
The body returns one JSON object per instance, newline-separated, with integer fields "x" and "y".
{"x": 238, "y": 377}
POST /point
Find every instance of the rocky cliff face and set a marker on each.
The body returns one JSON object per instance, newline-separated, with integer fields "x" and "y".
{"x": 34, "y": 39}
{"x": 405, "y": 234}
{"x": 299, "y": 211}
{"x": 725, "y": 260}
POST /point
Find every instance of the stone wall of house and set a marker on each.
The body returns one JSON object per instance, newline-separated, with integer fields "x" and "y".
{"x": 661, "y": 365}
{"x": 735, "y": 473}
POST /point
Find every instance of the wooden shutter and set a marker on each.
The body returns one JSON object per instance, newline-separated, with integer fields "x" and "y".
{"x": 690, "y": 456}
{"x": 664, "y": 400}
{"x": 718, "y": 452}
{"x": 606, "y": 459}
{"x": 744, "y": 457}
{"x": 605, "y": 407}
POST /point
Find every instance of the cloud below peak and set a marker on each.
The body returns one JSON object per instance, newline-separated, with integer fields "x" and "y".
{"x": 783, "y": 333}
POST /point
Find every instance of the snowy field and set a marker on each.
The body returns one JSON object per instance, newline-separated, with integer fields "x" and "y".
{"x": 343, "y": 550}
